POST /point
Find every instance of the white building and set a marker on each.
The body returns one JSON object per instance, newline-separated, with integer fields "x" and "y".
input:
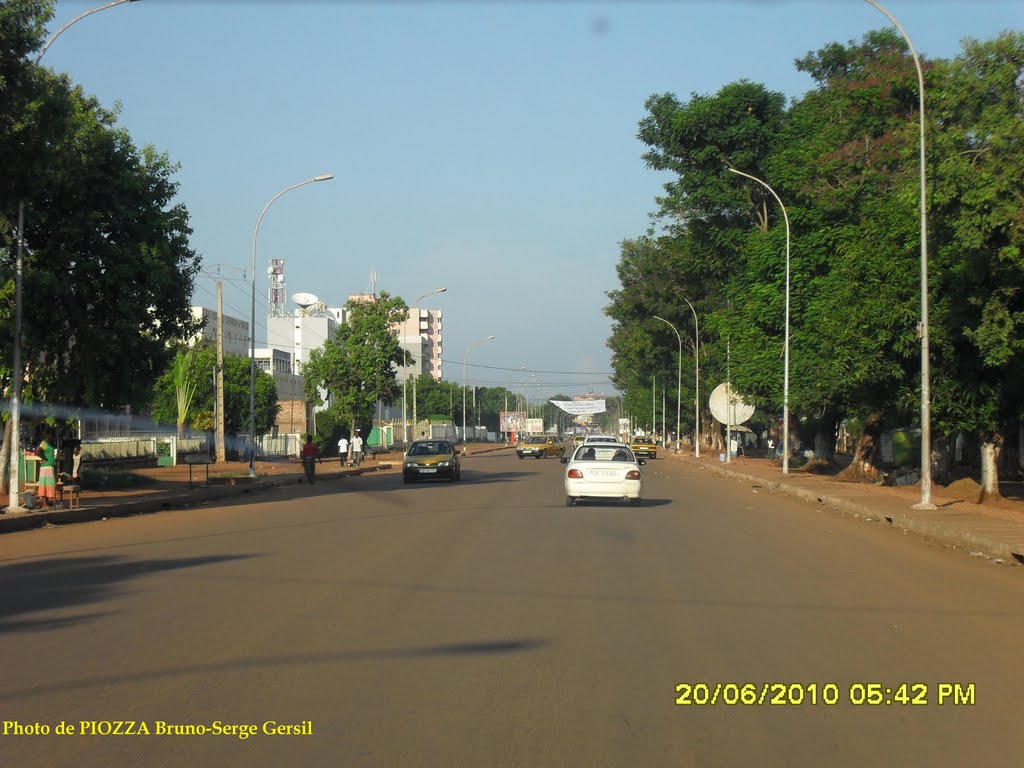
{"x": 236, "y": 332}
{"x": 294, "y": 413}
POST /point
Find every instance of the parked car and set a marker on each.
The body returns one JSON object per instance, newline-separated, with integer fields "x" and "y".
{"x": 431, "y": 459}
{"x": 540, "y": 447}
{"x": 603, "y": 471}
{"x": 644, "y": 446}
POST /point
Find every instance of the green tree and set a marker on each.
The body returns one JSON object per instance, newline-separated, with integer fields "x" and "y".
{"x": 438, "y": 398}
{"x": 236, "y": 394}
{"x": 978, "y": 225}
{"x": 357, "y": 366}
{"x": 99, "y": 216}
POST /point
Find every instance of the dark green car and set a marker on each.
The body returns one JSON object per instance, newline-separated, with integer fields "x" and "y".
{"x": 431, "y": 459}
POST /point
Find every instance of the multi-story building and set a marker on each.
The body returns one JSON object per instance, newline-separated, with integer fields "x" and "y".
{"x": 236, "y": 332}
{"x": 420, "y": 336}
{"x": 295, "y": 414}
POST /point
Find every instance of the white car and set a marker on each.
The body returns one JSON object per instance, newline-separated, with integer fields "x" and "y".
{"x": 603, "y": 471}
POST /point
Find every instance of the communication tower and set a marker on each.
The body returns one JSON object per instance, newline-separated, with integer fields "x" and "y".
{"x": 276, "y": 294}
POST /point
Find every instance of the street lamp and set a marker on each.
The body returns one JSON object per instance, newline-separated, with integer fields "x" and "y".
{"x": 507, "y": 384}
{"x": 405, "y": 379}
{"x": 696, "y": 378}
{"x": 679, "y": 374}
{"x": 785, "y": 377}
{"x": 485, "y": 338}
{"x": 14, "y": 503}
{"x": 252, "y": 329}
{"x": 926, "y": 408}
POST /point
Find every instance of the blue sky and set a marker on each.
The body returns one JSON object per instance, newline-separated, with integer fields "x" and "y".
{"x": 488, "y": 147}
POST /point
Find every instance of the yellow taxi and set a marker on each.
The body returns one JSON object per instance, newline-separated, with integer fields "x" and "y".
{"x": 540, "y": 447}
{"x": 645, "y": 447}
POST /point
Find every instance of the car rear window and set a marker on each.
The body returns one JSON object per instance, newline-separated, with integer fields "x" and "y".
{"x": 601, "y": 452}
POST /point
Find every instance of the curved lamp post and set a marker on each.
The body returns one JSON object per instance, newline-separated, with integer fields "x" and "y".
{"x": 508, "y": 380}
{"x": 15, "y": 468}
{"x": 679, "y": 374}
{"x": 405, "y": 380}
{"x": 696, "y": 379}
{"x": 785, "y": 377}
{"x": 926, "y": 408}
{"x": 252, "y": 330}
{"x": 485, "y": 338}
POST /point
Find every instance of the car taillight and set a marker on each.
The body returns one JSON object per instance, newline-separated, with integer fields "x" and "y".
{"x": 576, "y": 474}
{"x": 633, "y": 474}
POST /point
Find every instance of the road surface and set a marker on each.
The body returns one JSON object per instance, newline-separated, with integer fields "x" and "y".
{"x": 362, "y": 622}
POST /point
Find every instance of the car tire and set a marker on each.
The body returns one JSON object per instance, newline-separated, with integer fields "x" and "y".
{"x": 406, "y": 479}
{"x": 570, "y": 501}
{"x": 539, "y": 456}
{"x": 520, "y": 457}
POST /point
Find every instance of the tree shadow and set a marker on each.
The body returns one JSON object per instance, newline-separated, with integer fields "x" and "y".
{"x": 259, "y": 663}
{"x": 37, "y": 586}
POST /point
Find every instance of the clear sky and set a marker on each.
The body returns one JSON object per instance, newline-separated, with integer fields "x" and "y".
{"x": 487, "y": 147}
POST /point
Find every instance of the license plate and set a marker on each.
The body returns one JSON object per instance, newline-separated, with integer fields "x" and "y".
{"x": 427, "y": 471}
{"x": 604, "y": 473}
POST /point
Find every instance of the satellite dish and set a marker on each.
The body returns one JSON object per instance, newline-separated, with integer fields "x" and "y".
{"x": 738, "y": 413}
{"x": 305, "y": 299}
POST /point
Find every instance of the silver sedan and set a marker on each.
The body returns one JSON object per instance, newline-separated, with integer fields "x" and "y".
{"x": 603, "y": 471}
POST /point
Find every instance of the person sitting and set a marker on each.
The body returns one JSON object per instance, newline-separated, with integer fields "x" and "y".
{"x": 588, "y": 455}
{"x": 620, "y": 455}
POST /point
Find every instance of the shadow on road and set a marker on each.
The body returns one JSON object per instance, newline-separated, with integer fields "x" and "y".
{"x": 60, "y": 583}
{"x": 262, "y": 663}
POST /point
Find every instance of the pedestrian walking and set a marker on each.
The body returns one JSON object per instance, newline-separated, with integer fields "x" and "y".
{"x": 357, "y": 449}
{"x": 343, "y": 450}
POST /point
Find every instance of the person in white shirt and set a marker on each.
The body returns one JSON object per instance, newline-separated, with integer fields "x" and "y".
{"x": 357, "y": 449}
{"x": 343, "y": 450}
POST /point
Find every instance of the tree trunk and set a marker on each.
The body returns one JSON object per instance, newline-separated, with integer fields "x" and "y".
{"x": 862, "y": 468}
{"x": 942, "y": 460}
{"x": 990, "y": 468}
{"x": 5, "y": 459}
{"x": 825, "y": 436}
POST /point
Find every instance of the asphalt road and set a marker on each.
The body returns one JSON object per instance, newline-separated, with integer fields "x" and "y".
{"x": 485, "y": 624}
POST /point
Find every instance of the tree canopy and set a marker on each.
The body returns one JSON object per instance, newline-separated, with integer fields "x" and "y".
{"x": 100, "y": 215}
{"x": 843, "y": 161}
{"x": 356, "y": 368}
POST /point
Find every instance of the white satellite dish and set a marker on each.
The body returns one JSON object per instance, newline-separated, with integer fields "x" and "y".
{"x": 737, "y": 413}
{"x": 305, "y": 299}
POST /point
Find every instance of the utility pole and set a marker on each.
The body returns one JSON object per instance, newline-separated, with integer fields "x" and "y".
{"x": 221, "y": 453}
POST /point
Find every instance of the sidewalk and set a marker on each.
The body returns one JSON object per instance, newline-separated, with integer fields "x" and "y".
{"x": 994, "y": 529}
{"x": 170, "y": 488}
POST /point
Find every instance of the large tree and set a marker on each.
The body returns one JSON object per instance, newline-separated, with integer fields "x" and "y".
{"x": 843, "y": 159}
{"x": 357, "y": 367}
{"x": 108, "y": 271}
{"x": 978, "y": 224}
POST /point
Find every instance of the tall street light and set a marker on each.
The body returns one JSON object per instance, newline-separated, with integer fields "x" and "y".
{"x": 696, "y": 378}
{"x": 507, "y": 384}
{"x": 405, "y": 379}
{"x": 679, "y": 374}
{"x": 252, "y": 329}
{"x": 785, "y": 376}
{"x": 464, "y": 357}
{"x": 15, "y": 468}
{"x": 926, "y": 407}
